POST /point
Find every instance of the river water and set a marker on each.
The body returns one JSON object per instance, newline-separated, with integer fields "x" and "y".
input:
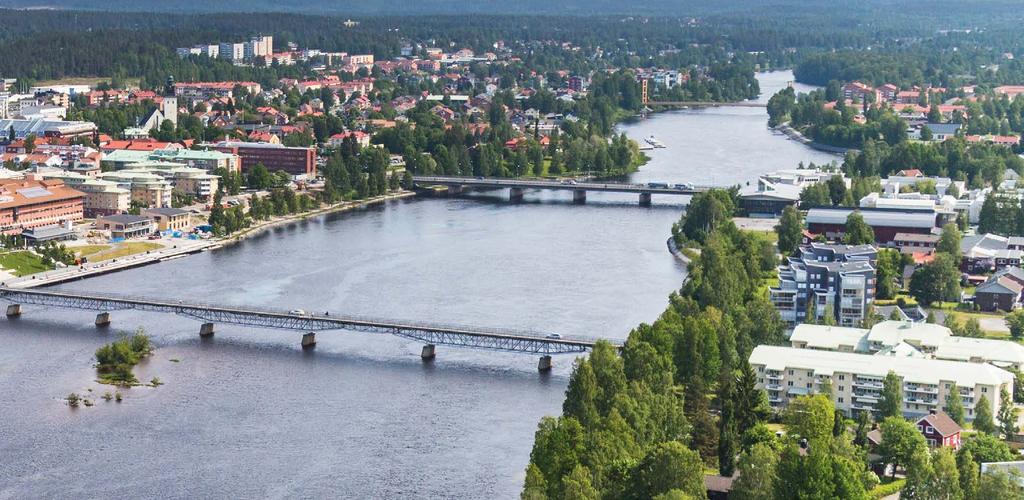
{"x": 249, "y": 414}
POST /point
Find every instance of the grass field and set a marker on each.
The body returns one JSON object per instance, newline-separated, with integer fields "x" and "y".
{"x": 22, "y": 263}
{"x": 97, "y": 253}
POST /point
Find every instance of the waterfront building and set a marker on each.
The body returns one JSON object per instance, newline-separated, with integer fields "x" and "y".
{"x": 169, "y": 219}
{"x": 125, "y": 225}
{"x": 207, "y": 160}
{"x": 856, "y": 379}
{"x": 840, "y": 278}
{"x": 47, "y": 128}
{"x": 32, "y": 202}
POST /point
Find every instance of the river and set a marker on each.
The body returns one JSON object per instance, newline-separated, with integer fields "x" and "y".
{"x": 249, "y": 414}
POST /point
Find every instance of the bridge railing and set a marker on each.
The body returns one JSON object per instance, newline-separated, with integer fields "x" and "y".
{"x": 325, "y": 320}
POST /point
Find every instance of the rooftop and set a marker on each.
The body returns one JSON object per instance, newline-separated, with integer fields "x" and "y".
{"x": 930, "y": 371}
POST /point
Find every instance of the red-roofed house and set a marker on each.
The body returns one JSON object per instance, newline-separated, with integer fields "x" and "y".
{"x": 940, "y": 430}
{"x": 362, "y": 138}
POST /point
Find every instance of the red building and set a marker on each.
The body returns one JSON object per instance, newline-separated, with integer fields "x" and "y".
{"x": 295, "y": 161}
{"x": 31, "y": 202}
{"x": 886, "y": 222}
{"x": 939, "y": 430}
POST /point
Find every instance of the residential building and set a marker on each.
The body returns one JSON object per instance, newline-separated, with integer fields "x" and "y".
{"x": 840, "y": 278}
{"x": 208, "y": 160}
{"x": 295, "y": 161}
{"x": 939, "y": 430}
{"x": 125, "y": 225}
{"x": 856, "y": 379}
{"x": 234, "y": 52}
{"x": 915, "y": 242}
{"x": 32, "y": 202}
{"x": 908, "y": 339}
{"x": 999, "y": 293}
{"x": 169, "y": 219}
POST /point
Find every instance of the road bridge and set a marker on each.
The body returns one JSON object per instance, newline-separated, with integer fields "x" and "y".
{"x": 579, "y": 189}
{"x": 430, "y": 334}
{"x": 706, "y": 104}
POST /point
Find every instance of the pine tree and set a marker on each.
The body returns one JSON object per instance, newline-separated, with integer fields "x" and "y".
{"x": 582, "y": 394}
{"x": 983, "y": 417}
{"x": 891, "y": 404}
{"x": 704, "y": 433}
{"x": 727, "y": 435}
{"x": 1007, "y": 414}
{"x": 954, "y": 405}
{"x": 968, "y": 472}
{"x": 863, "y": 427}
{"x": 751, "y": 402}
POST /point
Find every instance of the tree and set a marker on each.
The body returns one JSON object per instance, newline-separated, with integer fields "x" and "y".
{"x": 810, "y": 417}
{"x": 836, "y": 189}
{"x": 945, "y": 481}
{"x": 900, "y": 440}
{"x": 972, "y": 328}
{"x": 1015, "y": 321}
{"x": 581, "y": 395}
{"x": 999, "y": 484}
{"x": 857, "y": 231}
{"x": 752, "y": 405}
{"x": 954, "y": 405}
{"x": 790, "y": 230}
{"x": 967, "y": 471}
{"x": 757, "y": 474}
{"x": 669, "y": 466}
{"x": 863, "y": 427}
{"x": 535, "y": 487}
{"x": 891, "y": 403}
{"x": 889, "y": 268}
{"x": 938, "y": 280}
{"x": 576, "y": 486}
{"x": 557, "y": 447}
{"x": 1007, "y": 415}
{"x": 727, "y": 435}
{"x": 988, "y": 448}
{"x": 926, "y": 133}
{"x": 920, "y": 474}
{"x": 949, "y": 241}
{"x": 30, "y": 143}
{"x": 983, "y": 417}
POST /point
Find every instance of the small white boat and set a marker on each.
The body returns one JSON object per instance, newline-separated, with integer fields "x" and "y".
{"x": 654, "y": 142}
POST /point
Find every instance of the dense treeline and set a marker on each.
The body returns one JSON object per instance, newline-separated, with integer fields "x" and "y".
{"x": 642, "y": 424}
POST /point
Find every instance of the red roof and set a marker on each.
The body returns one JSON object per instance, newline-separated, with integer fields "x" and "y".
{"x": 942, "y": 423}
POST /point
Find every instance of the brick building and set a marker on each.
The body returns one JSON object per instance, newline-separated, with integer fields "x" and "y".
{"x": 295, "y": 161}
{"x": 34, "y": 202}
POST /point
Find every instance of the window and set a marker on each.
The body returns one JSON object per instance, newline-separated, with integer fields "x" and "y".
{"x": 840, "y": 399}
{"x": 842, "y": 377}
{"x": 983, "y": 389}
{"x": 929, "y": 429}
{"x": 791, "y": 372}
{"x": 808, "y": 385}
{"x": 760, "y": 369}
{"x": 841, "y": 389}
{"x": 790, "y": 383}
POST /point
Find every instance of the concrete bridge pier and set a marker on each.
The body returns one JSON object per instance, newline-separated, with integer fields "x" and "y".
{"x": 455, "y": 189}
{"x": 515, "y": 194}
{"x": 308, "y": 340}
{"x": 428, "y": 354}
{"x": 645, "y": 199}
{"x": 579, "y": 196}
{"x": 14, "y": 310}
{"x": 206, "y": 330}
{"x": 103, "y": 319}
{"x": 544, "y": 365}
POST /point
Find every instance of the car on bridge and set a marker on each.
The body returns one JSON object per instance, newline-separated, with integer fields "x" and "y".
{"x": 657, "y": 185}
{"x": 685, "y": 185}
{"x": 553, "y": 336}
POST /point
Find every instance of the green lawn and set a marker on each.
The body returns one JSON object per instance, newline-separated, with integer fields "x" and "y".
{"x": 106, "y": 252}
{"x": 23, "y": 263}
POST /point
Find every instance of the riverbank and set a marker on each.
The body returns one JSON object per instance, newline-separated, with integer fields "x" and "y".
{"x": 184, "y": 247}
{"x": 796, "y": 135}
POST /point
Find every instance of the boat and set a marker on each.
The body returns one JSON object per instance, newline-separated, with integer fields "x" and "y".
{"x": 654, "y": 142}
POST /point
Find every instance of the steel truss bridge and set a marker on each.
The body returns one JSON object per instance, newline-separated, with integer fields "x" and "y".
{"x": 430, "y": 334}
{"x": 708, "y": 104}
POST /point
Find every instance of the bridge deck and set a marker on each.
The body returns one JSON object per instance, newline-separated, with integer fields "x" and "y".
{"x": 705, "y": 104}
{"x": 465, "y": 336}
{"x": 611, "y": 187}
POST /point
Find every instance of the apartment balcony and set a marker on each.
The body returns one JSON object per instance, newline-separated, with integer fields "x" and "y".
{"x": 921, "y": 389}
{"x": 924, "y": 401}
{"x": 867, "y": 383}
{"x": 773, "y": 376}
{"x": 857, "y": 406}
{"x": 772, "y": 387}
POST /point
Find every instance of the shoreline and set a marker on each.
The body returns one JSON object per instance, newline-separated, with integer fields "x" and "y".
{"x": 796, "y": 135}
{"x": 57, "y": 276}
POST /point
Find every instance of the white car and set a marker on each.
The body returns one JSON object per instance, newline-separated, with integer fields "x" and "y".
{"x": 297, "y": 312}
{"x": 554, "y": 336}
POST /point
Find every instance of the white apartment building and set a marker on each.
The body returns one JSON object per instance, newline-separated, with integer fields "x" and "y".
{"x": 905, "y": 338}
{"x": 786, "y": 373}
{"x": 102, "y": 197}
{"x": 234, "y": 52}
{"x": 147, "y": 188}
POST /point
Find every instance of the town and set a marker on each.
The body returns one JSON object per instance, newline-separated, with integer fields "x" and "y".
{"x": 843, "y": 205}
